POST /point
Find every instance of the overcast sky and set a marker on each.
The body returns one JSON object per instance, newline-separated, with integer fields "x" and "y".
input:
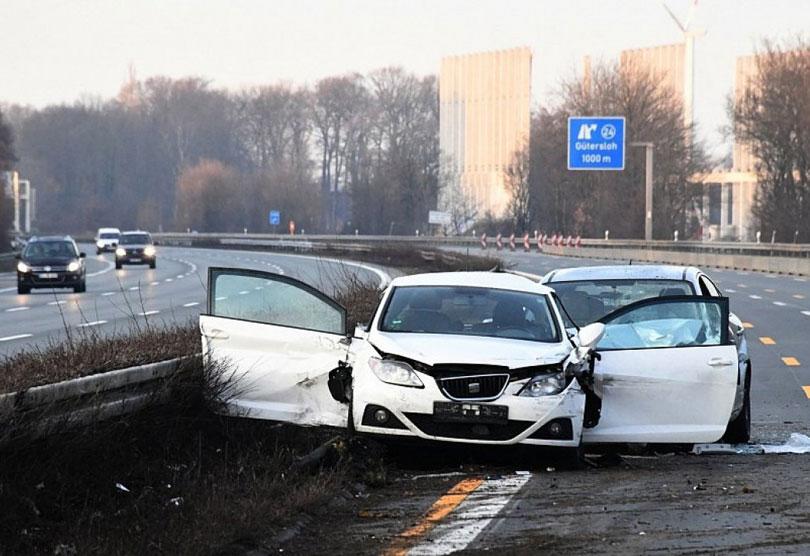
{"x": 54, "y": 51}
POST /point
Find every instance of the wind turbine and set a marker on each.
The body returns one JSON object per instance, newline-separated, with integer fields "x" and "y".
{"x": 689, "y": 35}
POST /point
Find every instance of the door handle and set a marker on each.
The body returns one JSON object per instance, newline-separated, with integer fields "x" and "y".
{"x": 217, "y": 334}
{"x": 719, "y": 362}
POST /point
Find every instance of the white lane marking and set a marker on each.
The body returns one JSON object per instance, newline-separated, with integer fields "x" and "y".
{"x": 258, "y": 287}
{"x": 800, "y": 279}
{"x": 149, "y": 313}
{"x": 110, "y": 266}
{"x": 754, "y": 297}
{"x": 179, "y": 276}
{"x": 154, "y": 283}
{"x": 134, "y": 288}
{"x": 92, "y": 323}
{"x": 384, "y": 277}
{"x": 222, "y": 298}
{"x": 192, "y": 304}
{"x": 60, "y": 302}
{"x": 17, "y": 309}
{"x": 742, "y": 273}
{"x": 168, "y": 280}
{"x": 729, "y": 290}
{"x": 244, "y": 292}
{"x": 15, "y": 337}
{"x": 741, "y": 286}
{"x": 471, "y": 517}
{"x": 4, "y": 290}
{"x": 107, "y": 294}
{"x": 806, "y": 313}
{"x": 779, "y": 303}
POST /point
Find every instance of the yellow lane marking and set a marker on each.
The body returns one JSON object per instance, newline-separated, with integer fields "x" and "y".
{"x": 798, "y": 296}
{"x": 438, "y": 511}
{"x": 806, "y": 391}
{"x": 748, "y": 325}
{"x": 791, "y": 361}
{"x": 769, "y": 290}
{"x": 767, "y": 341}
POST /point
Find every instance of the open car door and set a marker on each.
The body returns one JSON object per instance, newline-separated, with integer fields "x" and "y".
{"x": 274, "y": 341}
{"x": 667, "y": 372}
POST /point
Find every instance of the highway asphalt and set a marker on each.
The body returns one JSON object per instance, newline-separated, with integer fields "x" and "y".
{"x": 120, "y": 300}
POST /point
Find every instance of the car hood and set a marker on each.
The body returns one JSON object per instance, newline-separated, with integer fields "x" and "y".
{"x": 50, "y": 261}
{"x": 134, "y": 245}
{"x": 433, "y": 349}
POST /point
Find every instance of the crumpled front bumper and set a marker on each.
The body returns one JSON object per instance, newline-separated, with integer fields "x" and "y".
{"x": 413, "y": 408}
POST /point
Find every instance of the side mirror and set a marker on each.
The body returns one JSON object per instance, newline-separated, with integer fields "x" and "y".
{"x": 360, "y": 331}
{"x": 590, "y": 335}
{"x": 82, "y": 255}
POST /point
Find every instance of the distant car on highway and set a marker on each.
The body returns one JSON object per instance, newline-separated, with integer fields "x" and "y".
{"x": 135, "y": 247}
{"x": 472, "y": 357}
{"x": 589, "y": 293}
{"x": 107, "y": 239}
{"x": 51, "y": 262}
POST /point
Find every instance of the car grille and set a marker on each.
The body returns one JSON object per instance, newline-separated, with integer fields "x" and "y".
{"x": 473, "y": 387}
{"x": 134, "y": 251}
{"x": 467, "y": 431}
{"x": 60, "y": 268}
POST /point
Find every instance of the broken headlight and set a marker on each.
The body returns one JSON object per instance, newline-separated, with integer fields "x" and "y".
{"x": 544, "y": 385}
{"x": 394, "y": 372}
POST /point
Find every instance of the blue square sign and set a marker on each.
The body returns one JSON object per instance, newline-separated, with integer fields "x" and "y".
{"x": 274, "y": 218}
{"x": 596, "y": 143}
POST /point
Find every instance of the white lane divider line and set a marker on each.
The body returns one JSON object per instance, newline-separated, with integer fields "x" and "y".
{"x": 192, "y": 304}
{"x": 92, "y": 323}
{"x": 741, "y": 286}
{"x": 17, "y": 309}
{"x": 179, "y": 276}
{"x": 244, "y": 292}
{"x": 4, "y": 290}
{"x": 149, "y": 313}
{"x": 107, "y": 294}
{"x": 779, "y": 303}
{"x": 752, "y": 296}
{"x": 110, "y": 266}
{"x": 806, "y": 313}
{"x": 729, "y": 290}
{"x": 134, "y": 288}
{"x": 60, "y": 302}
{"x": 169, "y": 280}
{"x": 471, "y": 517}
{"x": 154, "y": 283}
{"x": 800, "y": 279}
{"x": 15, "y": 337}
{"x": 221, "y": 298}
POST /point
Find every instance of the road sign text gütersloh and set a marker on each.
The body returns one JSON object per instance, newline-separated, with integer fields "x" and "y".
{"x": 596, "y": 143}
{"x": 274, "y": 218}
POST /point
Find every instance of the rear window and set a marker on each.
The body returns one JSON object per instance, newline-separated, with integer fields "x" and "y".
{"x": 470, "y": 311}
{"x": 587, "y": 301}
{"x": 135, "y": 239}
{"x": 47, "y": 249}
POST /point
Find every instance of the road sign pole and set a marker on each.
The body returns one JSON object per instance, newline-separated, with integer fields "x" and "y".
{"x": 648, "y": 188}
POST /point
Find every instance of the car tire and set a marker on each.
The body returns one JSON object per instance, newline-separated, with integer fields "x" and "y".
{"x": 739, "y": 430}
{"x": 570, "y": 458}
{"x": 98, "y": 251}
{"x": 153, "y": 264}
{"x": 81, "y": 288}
{"x": 118, "y": 265}
{"x": 23, "y": 290}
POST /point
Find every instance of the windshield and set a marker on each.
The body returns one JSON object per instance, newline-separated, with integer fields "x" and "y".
{"x": 49, "y": 249}
{"x": 587, "y": 301}
{"x": 470, "y": 311}
{"x": 109, "y": 235}
{"x": 135, "y": 239}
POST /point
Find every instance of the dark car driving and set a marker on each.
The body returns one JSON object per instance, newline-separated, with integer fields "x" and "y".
{"x": 51, "y": 262}
{"x": 135, "y": 248}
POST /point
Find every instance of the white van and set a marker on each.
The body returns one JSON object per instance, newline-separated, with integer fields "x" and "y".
{"x": 107, "y": 239}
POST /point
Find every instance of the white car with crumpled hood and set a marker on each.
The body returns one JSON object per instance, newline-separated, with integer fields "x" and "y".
{"x": 471, "y": 357}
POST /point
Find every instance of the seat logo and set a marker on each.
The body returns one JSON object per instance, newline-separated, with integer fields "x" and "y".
{"x": 474, "y": 387}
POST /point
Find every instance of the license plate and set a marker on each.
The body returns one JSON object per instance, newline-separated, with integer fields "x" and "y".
{"x": 134, "y": 260}
{"x": 460, "y": 412}
{"x": 48, "y": 276}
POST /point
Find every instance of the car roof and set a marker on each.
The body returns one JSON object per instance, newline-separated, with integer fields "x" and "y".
{"x": 478, "y": 279}
{"x": 623, "y": 272}
{"x": 134, "y": 232}
{"x": 109, "y": 230}
{"x": 49, "y": 238}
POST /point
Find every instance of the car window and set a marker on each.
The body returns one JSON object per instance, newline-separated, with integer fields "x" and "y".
{"x": 109, "y": 235}
{"x": 707, "y": 287}
{"x": 587, "y": 301}
{"x": 684, "y": 322}
{"x": 470, "y": 311}
{"x": 136, "y": 239}
{"x": 272, "y": 299}
{"x": 48, "y": 249}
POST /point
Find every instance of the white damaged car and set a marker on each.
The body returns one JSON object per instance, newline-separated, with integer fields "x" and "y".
{"x": 472, "y": 357}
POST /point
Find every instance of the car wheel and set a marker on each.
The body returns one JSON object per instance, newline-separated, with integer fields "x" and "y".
{"x": 739, "y": 430}
{"x": 569, "y": 458}
{"x": 23, "y": 290}
{"x": 118, "y": 265}
{"x": 81, "y": 288}
{"x": 153, "y": 264}
{"x": 98, "y": 251}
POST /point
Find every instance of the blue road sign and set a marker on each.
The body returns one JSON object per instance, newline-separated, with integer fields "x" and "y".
{"x": 274, "y": 218}
{"x": 596, "y": 143}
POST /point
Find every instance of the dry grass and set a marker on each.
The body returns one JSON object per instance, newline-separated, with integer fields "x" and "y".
{"x": 88, "y": 354}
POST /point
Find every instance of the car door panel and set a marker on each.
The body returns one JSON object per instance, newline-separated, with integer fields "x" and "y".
{"x": 269, "y": 370}
{"x": 673, "y": 379}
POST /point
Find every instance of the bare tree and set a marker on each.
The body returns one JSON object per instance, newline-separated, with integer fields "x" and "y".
{"x": 516, "y": 177}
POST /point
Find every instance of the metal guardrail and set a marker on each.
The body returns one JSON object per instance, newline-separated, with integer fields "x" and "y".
{"x": 52, "y": 408}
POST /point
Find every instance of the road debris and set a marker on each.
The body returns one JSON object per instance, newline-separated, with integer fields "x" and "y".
{"x": 797, "y": 443}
